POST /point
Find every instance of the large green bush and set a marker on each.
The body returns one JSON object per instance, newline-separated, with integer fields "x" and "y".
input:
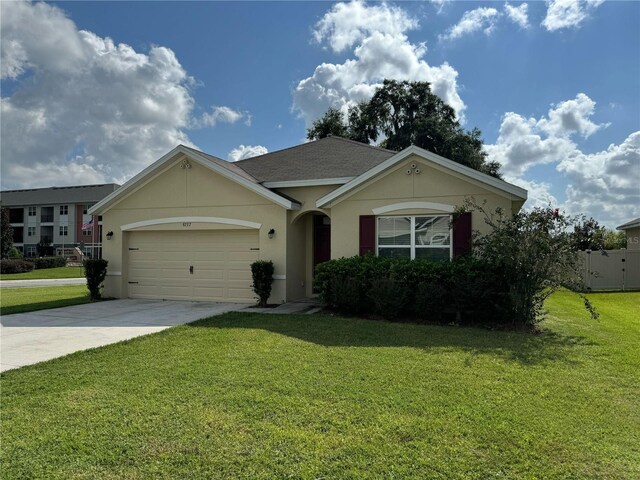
{"x": 465, "y": 290}
{"x": 15, "y": 266}
{"x": 262, "y": 273}
{"x": 535, "y": 253}
{"x": 49, "y": 262}
{"x": 95, "y": 271}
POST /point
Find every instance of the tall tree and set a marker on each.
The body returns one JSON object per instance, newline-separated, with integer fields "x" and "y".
{"x": 405, "y": 113}
{"x": 588, "y": 234}
{"x": 6, "y": 234}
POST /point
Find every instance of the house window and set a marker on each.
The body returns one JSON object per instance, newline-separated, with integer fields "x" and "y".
{"x": 427, "y": 237}
{"x": 63, "y": 230}
{"x": 32, "y": 211}
{"x": 31, "y": 231}
{"x": 31, "y": 251}
{"x": 87, "y": 233}
{"x": 64, "y": 209}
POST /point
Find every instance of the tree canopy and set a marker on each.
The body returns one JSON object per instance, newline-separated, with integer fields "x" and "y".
{"x": 401, "y": 114}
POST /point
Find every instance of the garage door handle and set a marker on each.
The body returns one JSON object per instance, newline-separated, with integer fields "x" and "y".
{"x": 191, "y": 269}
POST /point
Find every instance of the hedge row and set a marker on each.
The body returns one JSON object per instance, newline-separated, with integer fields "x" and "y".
{"x": 465, "y": 290}
{"x": 49, "y": 262}
{"x": 15, "y": 266}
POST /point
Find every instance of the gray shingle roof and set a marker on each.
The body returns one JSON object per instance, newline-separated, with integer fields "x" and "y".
{"x": 330, "y": 157}
{"x": 86, "y": 194}
{"x": 630, "y": 224}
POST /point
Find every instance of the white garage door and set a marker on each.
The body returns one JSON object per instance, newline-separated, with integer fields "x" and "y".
{"x": 209, "y": 265}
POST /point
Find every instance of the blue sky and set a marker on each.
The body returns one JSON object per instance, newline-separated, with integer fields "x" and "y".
{"x": 554, "y": 86}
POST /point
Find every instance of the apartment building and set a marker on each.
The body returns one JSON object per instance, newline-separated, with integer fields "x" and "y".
{"x": 53, "y": 220}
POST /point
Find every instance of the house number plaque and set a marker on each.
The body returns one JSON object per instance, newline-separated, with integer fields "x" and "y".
{"x": 186, "y": 224}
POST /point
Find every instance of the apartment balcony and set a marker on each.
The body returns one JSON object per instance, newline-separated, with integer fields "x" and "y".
{"x": 16, "y": 216}
{"x": 46, "y": 215}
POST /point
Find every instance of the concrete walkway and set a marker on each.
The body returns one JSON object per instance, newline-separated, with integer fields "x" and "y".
{"x": 28, "y": 338}
{"x": 45, "y": 282}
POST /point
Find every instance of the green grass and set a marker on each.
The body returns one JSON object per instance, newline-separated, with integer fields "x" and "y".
{"x": 29, "y": 299}
{"x": 60, "y": 272}
{"x": 266, "y": 396}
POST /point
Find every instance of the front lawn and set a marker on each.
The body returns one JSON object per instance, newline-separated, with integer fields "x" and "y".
{"x": 60, "y": 272}
{"x": 272, "y": 396}
{"x": 30, "y": 299}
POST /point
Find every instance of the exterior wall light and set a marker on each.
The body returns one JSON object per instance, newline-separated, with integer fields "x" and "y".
{"x": 109, "y": 235}
{"x": 271, "y": 233}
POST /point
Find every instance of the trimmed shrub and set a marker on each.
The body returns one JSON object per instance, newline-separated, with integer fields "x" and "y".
{"x": 49, "y": 262}
{"x": 14, "y": 253}
{"x": 262, "y": 273}
{"x": 464, "y": 290}
{"x": 15, "y": 266}
{"x": 95, "y": 271}
{"x": 388, "y": 297}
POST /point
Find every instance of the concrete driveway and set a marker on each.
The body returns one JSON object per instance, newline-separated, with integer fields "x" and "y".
{"x": 27, "y": 338}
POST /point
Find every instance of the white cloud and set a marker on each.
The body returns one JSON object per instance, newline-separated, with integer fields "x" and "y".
{"x": 525, "y": 142}
{"x": 220, "y": 114}
{"x": 381, "y": 50}
{"x": 572, "y": 116}
{"x": 482, "y": 18}
{"x": 349, "y": 23}
{"x": 518, "y": 15}
{"x": 568, "y": 13}
{"x": 602, "y": 184}
{"x": 246, "y": 151}
{"x": 606, "y": 184}
{"x": 439, "y": 4}
{"x": 90, "y": 110}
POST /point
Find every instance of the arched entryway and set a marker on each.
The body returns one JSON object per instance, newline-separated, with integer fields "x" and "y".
{"x": 309, "y": 245}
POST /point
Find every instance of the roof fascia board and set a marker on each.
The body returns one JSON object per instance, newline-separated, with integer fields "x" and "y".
{"x": 628, "y": 226}
{"x": 308, "y": 183}
{"x": 126, "y": 189}
{"x": 432, "y": 157}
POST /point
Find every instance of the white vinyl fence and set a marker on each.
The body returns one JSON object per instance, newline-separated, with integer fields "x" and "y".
{"x": 611, "y": 269}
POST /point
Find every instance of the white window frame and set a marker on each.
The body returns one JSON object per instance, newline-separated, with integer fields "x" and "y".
{"x": 412, "y": 245}
{"x": 32, "y": 211}
{"x": 66, "y": 210}
{"x": 31, "y": 231}
{"x": 63, "y": 231}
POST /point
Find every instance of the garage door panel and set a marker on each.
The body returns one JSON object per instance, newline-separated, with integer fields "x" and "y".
{"x": 159, "y": 265}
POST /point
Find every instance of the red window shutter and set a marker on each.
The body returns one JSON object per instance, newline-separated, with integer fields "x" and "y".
{"x": 462, "y": 235}
{"x": 367, "y": 234}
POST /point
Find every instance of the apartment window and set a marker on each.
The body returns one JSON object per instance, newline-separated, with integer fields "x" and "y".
{"x": 31, "y": 231}
{"x": 64, "y": 210}
{"x": 63, "y": 230}
{"x": 32, "y": 211}
{"x": 87, "y": 232}
{"x": 413, "y": 237}
{"x": 31, "y": 251}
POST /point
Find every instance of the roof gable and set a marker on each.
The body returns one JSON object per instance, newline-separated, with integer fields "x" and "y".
{"x": 226, "y": 169}
{"x": 506, "y": 188}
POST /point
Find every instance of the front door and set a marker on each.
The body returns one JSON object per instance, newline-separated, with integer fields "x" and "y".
{"x": 321, "y": 240}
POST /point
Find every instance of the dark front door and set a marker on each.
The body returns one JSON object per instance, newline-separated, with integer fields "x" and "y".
{"x": 321, "y": 239}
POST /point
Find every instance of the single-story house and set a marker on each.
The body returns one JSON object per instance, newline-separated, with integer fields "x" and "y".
{"x": 632, "y": 232}
{"x": 189, "y": 225}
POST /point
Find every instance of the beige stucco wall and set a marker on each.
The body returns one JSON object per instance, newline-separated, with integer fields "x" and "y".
{"x": 433, "y": 184}
{"x": 177, "y": 192}
{"x": 633, "y": 238}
